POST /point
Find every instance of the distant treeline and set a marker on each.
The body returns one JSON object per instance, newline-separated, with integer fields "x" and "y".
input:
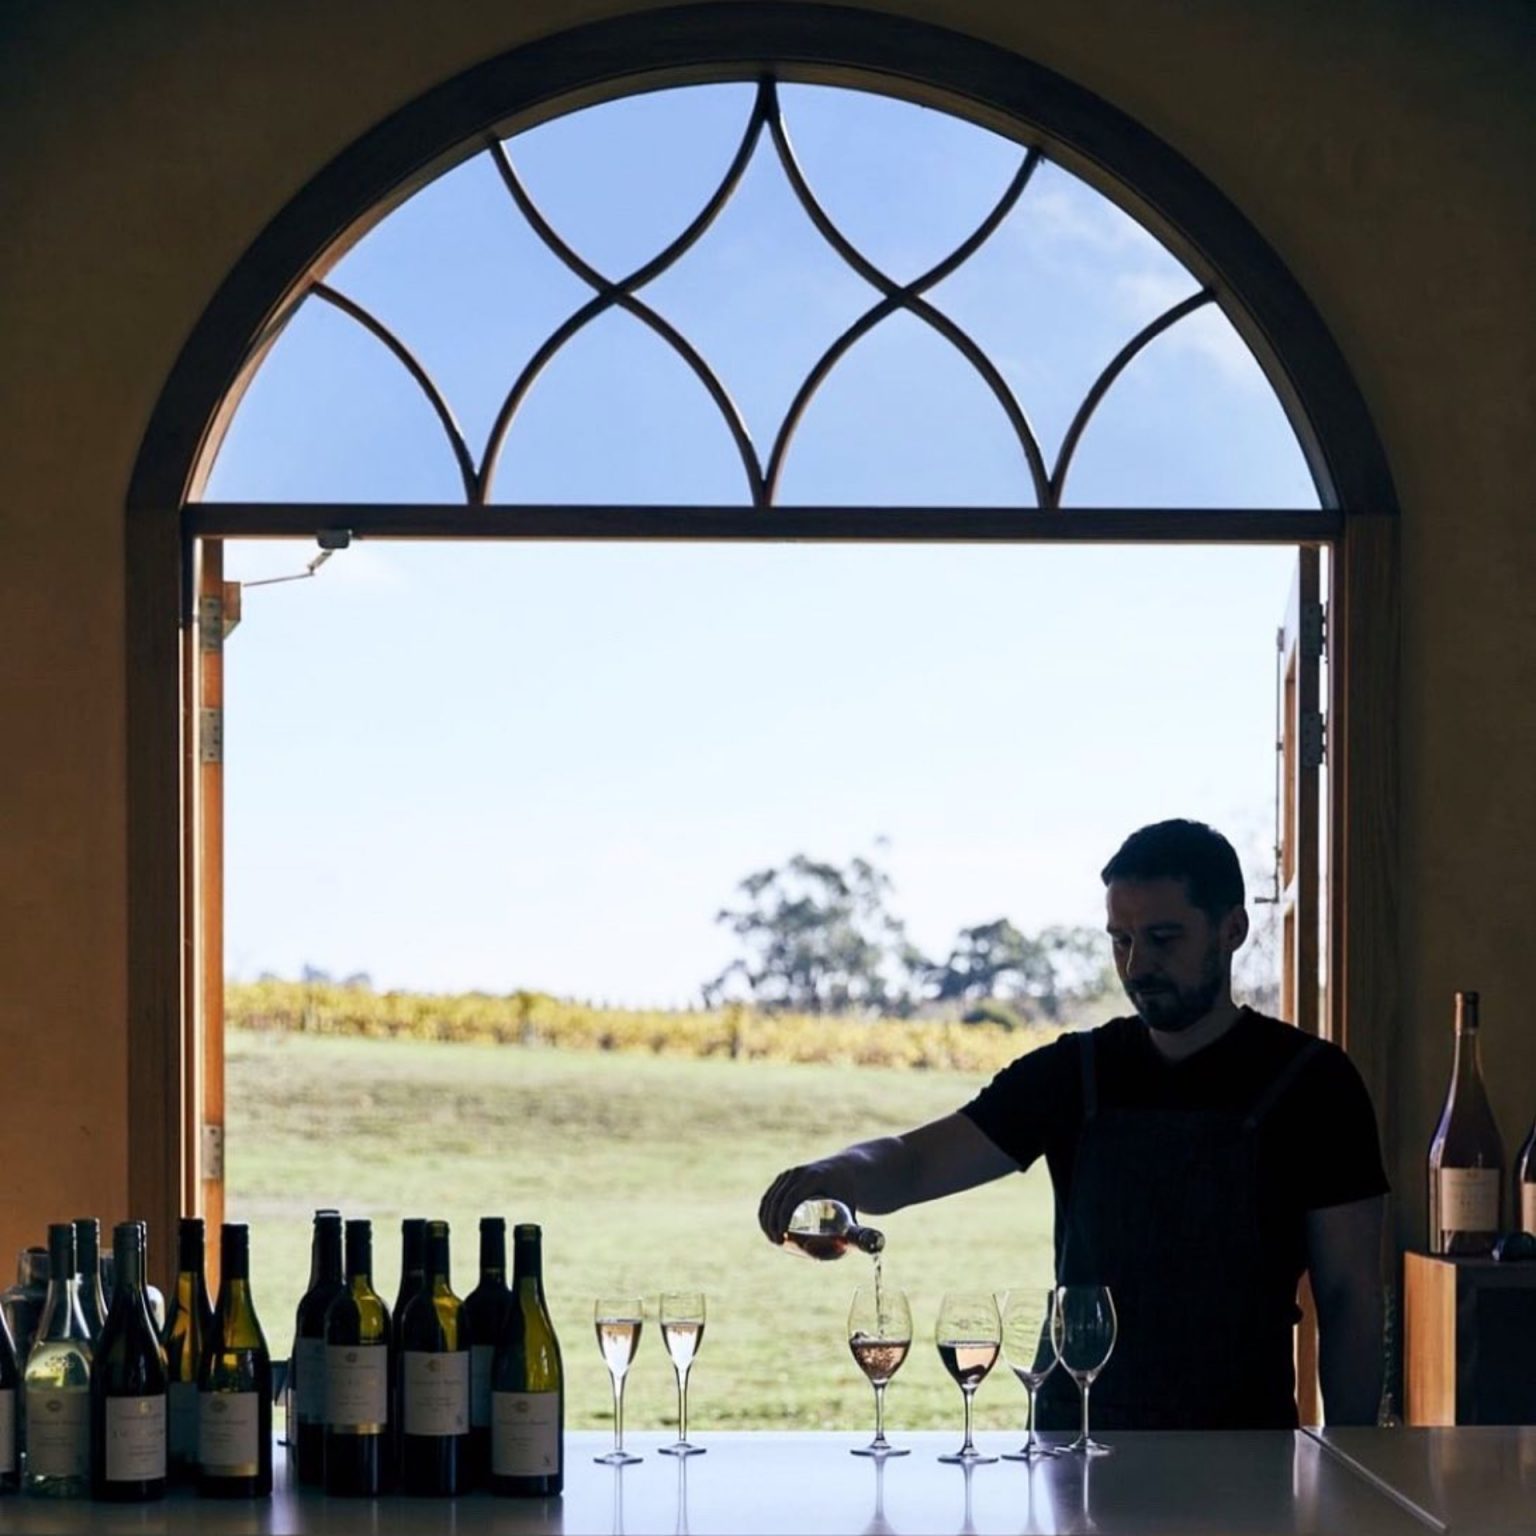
{"x": 534, "y": 1019}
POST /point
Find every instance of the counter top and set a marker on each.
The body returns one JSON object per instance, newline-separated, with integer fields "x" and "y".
{"x": 1261, "y": 1483}
{"x": 1475, "y": 1479}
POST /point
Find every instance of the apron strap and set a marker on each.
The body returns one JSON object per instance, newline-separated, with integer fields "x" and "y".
{"x": 1090, "y": 1086}
{"x": 1293, "y": 1069}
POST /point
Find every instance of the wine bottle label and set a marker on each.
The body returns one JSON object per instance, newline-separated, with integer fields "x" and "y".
{"x": 58, "y": 1432}
{"x": 1469, "y": 1199}
{"x": 7, "y": 1431}
{"x": 229, "y": 1433}
{"x": 481, "y": 1357}
{"x": 525, "y": 1434}
{"x": 357, "y": 1388}
{"x": 1528, "y": 1208}
{"x": 309, "y": 1380}
{"x": 436, "y": 1395}
{"x": 136, "y": 1432}
{"x": 183, "y": 1395}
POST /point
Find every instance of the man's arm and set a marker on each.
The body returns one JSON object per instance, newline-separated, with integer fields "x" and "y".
{"x": 880, "y": 1176}
{"x": 1344, "y": 1257}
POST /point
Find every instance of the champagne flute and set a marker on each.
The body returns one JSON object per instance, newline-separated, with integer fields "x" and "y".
{"x": 618, "y": 1320}
{"x": 1025, "y": 1343}
{"x": 880, "y": 1335}
{"x": 969, "y": 1334}
{"x": 1083, "y": 1333}
{"x": 682, "y": 1330}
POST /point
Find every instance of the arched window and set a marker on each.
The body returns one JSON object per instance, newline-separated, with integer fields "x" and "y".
{"x": 1072, "y": 336}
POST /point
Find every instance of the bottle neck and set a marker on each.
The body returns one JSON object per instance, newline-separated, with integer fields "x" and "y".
{"x": 234, "y": 1257}
{"x": 325, "y": 1252}
{"x": 1467, "y": 1064}
{"x": 359, "y": 1254}
{"x": 413, "y": 1252}
{"x": 493, "y": 1251}
{"x": 437, "y": 1261}
{"x": 128, "y": 1260}
{"x": 62, "y": 1318}
{"x": 528, "y": 1265}
{"x": 88, "y": 1249}
{"x": 190, "y": 1248}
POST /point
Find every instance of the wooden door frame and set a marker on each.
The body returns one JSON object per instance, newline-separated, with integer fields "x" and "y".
{"x": 691, "y": 44}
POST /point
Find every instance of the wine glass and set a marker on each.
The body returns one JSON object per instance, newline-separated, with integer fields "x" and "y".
{"x": 1025, "y": 1343}
{"x": 682, "y": 1331}
{"x": 880, "y": 1335}
{"x": 1083, "y": 1334}
{"x": 969, "y": 1334}
{"x": 618, "y": 1321}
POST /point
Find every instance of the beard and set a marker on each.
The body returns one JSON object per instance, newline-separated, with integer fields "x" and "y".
{"x": 1166, "y": 1006}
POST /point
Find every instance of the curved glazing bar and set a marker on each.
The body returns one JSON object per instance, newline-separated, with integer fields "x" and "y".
{"x": 376, "y": 327}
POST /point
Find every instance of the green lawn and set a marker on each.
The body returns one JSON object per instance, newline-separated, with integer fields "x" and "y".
{"x": 645, "y": 1174}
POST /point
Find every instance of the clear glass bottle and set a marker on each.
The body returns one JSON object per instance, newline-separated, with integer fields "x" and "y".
{"x": 58, "y": 1381}
{"x": 22, "y": 1303}
{"x": 826, "y": 1229}
{"x": 128, "y": 1385}
{"x": 1466, "y": 1156}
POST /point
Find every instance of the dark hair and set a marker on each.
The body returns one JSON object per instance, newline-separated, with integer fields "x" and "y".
{"x": 1183, "y": 850}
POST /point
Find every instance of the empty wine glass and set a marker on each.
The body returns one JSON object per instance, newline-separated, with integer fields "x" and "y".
{"x": 1024, "y": 1312}
{"x": 682, "y": 1331}
{"x": 880, "y": 1336}
{"x": 1083, "y": 1334}
{"x": 618, "y": 1320}
{"x": 969, "y": 1335}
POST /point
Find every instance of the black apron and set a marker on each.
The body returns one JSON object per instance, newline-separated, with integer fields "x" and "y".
{"x": 1165, "y": 1211}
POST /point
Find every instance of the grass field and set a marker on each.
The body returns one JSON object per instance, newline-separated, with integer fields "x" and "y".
{"x": 645, "y": 1174}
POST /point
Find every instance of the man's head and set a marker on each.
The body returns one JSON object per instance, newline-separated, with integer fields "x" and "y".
{"x": 1174, "y": 899}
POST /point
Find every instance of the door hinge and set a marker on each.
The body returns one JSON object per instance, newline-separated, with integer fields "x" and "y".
{"x": 210, "y": 623}
{"x": 210, "y": 735}
{"x": 1314, "y": 629}
{"x": 213, "y": 1154}
{"x": 1314, "y": 740}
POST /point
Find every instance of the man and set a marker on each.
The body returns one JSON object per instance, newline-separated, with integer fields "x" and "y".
{"x": 1202, "y": 1156}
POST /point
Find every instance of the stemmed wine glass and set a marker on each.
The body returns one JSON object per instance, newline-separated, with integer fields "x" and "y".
{"x": 969, "y": 1335}
{"x": 1024, "y": 1344}
{"x": 880, "y": 1335}
{"x": 618, "y": 1320}
{"x": 1083, "y": 1333}
{"x": 682, "y": 1330}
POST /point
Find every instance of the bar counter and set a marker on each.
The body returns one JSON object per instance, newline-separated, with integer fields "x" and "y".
{"x": 1333, "y": 1483}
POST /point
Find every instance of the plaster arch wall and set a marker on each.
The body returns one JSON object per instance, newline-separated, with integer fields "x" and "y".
{"x": 1382, "y": 149}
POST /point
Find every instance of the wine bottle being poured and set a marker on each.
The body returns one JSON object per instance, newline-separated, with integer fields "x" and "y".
{"x": 825, "y": 1229}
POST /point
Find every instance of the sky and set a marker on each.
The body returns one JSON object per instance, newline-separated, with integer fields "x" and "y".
{"x": 495, "y": 765}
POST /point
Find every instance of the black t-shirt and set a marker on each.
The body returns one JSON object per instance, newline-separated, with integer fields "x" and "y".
{"x": 1318, "y": 1143}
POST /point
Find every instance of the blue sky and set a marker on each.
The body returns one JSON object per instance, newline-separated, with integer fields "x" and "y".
{"x": 498, "y": 765}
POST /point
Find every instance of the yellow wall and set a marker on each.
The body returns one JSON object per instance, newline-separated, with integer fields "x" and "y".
{"x": 1383, "y": 147}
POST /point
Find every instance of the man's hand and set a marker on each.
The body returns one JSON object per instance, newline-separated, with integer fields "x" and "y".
{"x": 937, "y": 1159}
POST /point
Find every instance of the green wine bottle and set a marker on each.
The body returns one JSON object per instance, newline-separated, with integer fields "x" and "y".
{"x": 485, "y": 1309}
{"x": 188, "y": 1327}
{"x": 58, "y": 1381}
{"x": 234, "y": 1426}
{"x": 129, "y": 1381}
{"x": 528, "y": 1384}
{"x": 357, "y": 1376}
{"x": 433, "y": 1375}
{"x": 306, "y": 1365}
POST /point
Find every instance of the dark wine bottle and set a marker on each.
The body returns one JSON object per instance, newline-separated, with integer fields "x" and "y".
{"x": 10, "y": 1391}
{"x": 485, "y": 1309}
{"x": 357, "y": 1376}
{"x": 93, "y": 1304}
{"x": 413, "y": 1273}
{"x": 188, "y": 1327}
{"x": 1525, "y": 1183}
{"x": 129, "y": 1381}
{"x": 306, "y": 1365}
{"x": 1466, "y": 1157}
{"x": 234, "y": 1428}
{"x": 528, "y": 1384}
{"x": 433, "y": 1373}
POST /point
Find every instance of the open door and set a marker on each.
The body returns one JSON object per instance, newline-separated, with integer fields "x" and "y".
{"x": 1301, "y": 744}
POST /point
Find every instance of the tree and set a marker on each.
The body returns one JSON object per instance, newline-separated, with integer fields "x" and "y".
{"x": 1043, "y": 976}
{"x": 819, "y": 940}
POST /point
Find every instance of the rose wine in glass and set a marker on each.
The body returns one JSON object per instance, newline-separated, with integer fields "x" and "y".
{"x": 880, "y": 1338}
{"x": 682, "y": 1331}
{"x": 969, "y": 1335}
{"x": 618, "y": 1321}
{"x": 1083, "y": 1329}
{"x": 1031, "y": 1357}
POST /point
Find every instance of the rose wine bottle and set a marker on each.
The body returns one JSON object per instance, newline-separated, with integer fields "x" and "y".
{"x": 1525, "y": 1183}
{"x": 1466, "y": 1157}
